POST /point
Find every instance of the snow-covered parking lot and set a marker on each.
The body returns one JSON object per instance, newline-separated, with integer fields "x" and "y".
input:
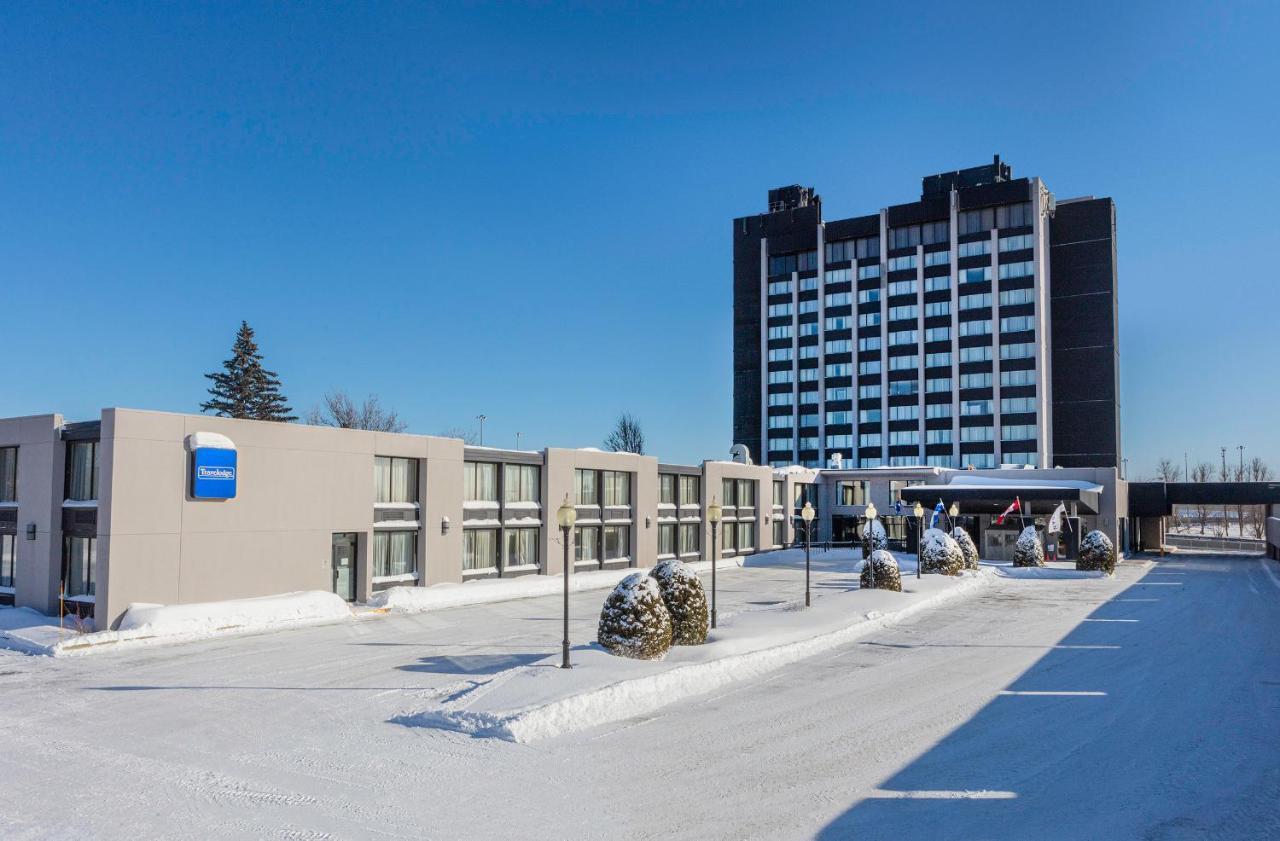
{"x": 1145, "y": 706}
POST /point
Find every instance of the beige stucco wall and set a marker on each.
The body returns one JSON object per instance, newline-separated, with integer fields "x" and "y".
{"x": 558, "y": 483}
{"x": 713, "y": 475}
{"x": 38, "y": 567}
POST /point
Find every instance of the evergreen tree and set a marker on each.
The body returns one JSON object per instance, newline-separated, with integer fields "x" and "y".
{"x": 244, "y": 389}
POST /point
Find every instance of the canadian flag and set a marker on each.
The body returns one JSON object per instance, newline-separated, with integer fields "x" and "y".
{"x": 1014, "y": 508}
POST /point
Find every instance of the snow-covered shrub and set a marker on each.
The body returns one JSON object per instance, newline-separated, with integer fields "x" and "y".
{"x": 686, "y": 602}
{"x": 1097, "y": 553}
{"x": 874, "y": 538}
{"x": 885, "y": 567}
{"x": 634, "y": 622}
{"x": 967, "y": 547}
{"x": 1029, "y": 551}
{"x": 939, "y": 552}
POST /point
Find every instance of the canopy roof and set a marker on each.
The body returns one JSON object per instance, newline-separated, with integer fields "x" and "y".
{"x": 991, "y": 494}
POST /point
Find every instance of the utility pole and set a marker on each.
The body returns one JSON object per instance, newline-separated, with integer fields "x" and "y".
{"x": 1241, "y": 449}
{"x": 481, "y": 419}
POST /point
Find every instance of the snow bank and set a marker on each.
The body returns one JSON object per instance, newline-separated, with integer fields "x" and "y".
{"x": 535, "y": 702}
{"x": 1055, "y": 569}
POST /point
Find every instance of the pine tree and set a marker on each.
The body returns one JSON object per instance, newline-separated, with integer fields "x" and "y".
{"x": 244, "y": 389}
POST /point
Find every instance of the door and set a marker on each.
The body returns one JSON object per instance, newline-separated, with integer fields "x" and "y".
{"x": 343, "y": 561}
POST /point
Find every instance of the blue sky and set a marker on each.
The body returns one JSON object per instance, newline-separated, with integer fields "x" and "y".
{"x": 525, "y": 211}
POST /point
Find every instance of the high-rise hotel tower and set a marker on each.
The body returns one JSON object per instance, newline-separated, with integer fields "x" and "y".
{"x": 974, "y": 327}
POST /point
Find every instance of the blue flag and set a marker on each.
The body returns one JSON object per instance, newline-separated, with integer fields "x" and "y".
{"x": 938, "y": 511}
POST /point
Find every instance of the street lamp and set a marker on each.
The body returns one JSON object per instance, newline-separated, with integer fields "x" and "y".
{"x": 918, "y": 510}
{"x": 713, "y": 517}
{"x": 566, "y": 516}
{"x": 806, "y": 514}
{"x": 871, "y": 513}
{"x": 953, "y": 512}
{"x": 481, "y": 418}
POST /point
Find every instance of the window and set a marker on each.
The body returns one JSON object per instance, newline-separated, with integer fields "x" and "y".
{"x": 839, "y": 276}
{"x": 981, "y": 327}
{"x": 974, "y": 302}
{"x": 809, "y": 419}
{"x": 868, "y": 416}
{"x": 480, "y": 481}
{"x": 522, "y": 483}
{"x": 586, "y": 487}
{"x": 842, "y": 392}
{"x": 586, "y": 544}
{"x": 746, "y": 537}
{"x": 982, "y": 380}
{"x": 1008, "y": 378}
{"x": 690, "y": 490}
{"x": 904, "y": 437}
{"x": 1014, "y": 215}
{"x": 780, "y": 377}
{"x": 937, "y": 436}
{"x": 975, "y": 433}
{"x": 937, "y": 308}
{"x": 907, "y": 236}
{"x": 898, "y": 313}
{"x": 690, "y": 538}
{"x": 869, "y": 343}
{"x": 868, "y": 247}
{"x": 853, "y": 493}
{"x": 808, "y": 284}
{"x": 870, "y": 462}
{"x": 395, "y": 553}
{"x": 779, "y": 532}
{"x": 807, "y": 261}
{"x": 1014, "y": 405}
{"x": 1019, "y": 458}
{"x": 782, "y": 398}
{"x": 842, "y": 416}
{"x": 981, "y": 274}
{"x": 933, "y": 284}
{"x": 522, "y": 547}
{"x": 776, "y": 310}
{"x": 8, "y": 559}
{"x": 904, "y": 461}
{"x": 940, "y": 384}
{"x": 937, "y": 258}
{"x": 779, "y": 494}
{"x": 903, "y": 287}
{"x": 8, "y": 475}
{"x": 975, "y": 407}
{"x": 780, "y": 354}
{"x": 746, "y": 493}
{"x": 82, "y": 471}
{"x": 1022, "y": 350}
{"x": 729, "y": 489}
{"x": 932, "y": 233}
{"x": 937, "y": 334}
{"x": 975, "y": 221}
{"x": 1024, "y": 269}
{"x": 1017, "y": 323}
{"x": 780, "y": 287}
{"x": 868, "y": 392}
{"x": 869, "y": 439}
{"x": 898, "y": 264}
{"x": 810, "y": 328}
{"x": 868, "y": 319}
{"x": 974, "y": 249}
{"x": 666, "y": 539}
{"x": 479, "y": 549}
{"x": 901, "y": 413}
{"x": 903, "y": 363}
{"x": 868, "y": 296}
{"x": 667, "y": 481}
{"x": 809, "y": 352}
{"x": 982, "y": 353}
{"x": 775, "y": 422}
{"x": 839, "y": 322}
{"x": 782, "y": 444}
{"x": 937, "y": 410}
{"x": 904, "y": 388}
{"x": 937, "y": 360}
{"x": 79, "y": 564}
{"x": 809, "y": 397}
{"x": 839, "y": 252}
{"x": 782, "y": 331}
{"x": 1010, "y": 297}
{"x": 1017, "y": 243}
{"x": 617, "y": 487}
{"x": 938, "y": 461}
{"x": 839, "y": 299}
{"x": 979, "y": 460}
{"x": 1018, "y": 432}
{"x": 807, "y": 307}
{"x": 841, "y": 369}
{"x": 904, "y": 337}
{"x": 867, "y": 368}
{"x": 809, "y": 443}
{"x": 840, "y": 346}
{"x": 782, "y": 264}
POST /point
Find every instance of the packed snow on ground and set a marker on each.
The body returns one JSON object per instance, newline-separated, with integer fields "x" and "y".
{"x": 1051, "y": 569}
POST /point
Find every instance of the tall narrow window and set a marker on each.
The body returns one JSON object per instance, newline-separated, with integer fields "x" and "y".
{"x": 8, "y": 559}
{"x": 690, "y": 490}
{"x": 586, "y": 487}
{"x": 8, "y": 474}
{"x": 617, "y": 488}
{"x": 82, "y": 471}
{"x": 79, "y": 565}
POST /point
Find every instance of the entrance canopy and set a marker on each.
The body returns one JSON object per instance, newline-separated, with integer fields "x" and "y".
{"x": 991, "y": 495}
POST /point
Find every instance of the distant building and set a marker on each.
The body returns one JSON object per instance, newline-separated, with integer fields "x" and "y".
{"x": 976, "y": 326}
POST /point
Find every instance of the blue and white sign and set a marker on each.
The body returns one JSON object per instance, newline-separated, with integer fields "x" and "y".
{"x": 213, "y": 466}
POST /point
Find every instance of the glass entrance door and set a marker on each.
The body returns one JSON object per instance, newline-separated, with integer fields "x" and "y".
{"x": 344, "y": 565}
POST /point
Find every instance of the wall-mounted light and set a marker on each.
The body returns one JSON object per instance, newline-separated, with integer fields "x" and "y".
{"x": 31, "y": 531}
{"x": 647, "y": 521}
{"x": 444, "y": 525}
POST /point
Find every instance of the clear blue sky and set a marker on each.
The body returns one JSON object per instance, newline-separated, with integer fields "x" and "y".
{"x": 525, "y": 211}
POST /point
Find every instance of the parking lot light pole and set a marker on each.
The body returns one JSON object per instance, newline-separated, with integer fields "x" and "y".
{"x": 806, "y": 514}
{"x": 566, "y": 516}
{"x": 871, "y": 519}
{"x": 919, "y": 512}
{"x": 713, "y": 517}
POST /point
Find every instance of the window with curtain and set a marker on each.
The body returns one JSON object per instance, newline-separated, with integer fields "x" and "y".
{"x": 779, "y": 494}
{"x": 690, "y": 538}
{"x": 479, "y": 549}
{"x": 79, "y": 565}
{"x": 585, "y": 487}
{"x": 727, "y": 488}
{"x": 690, "y": 490}
{"x": 617, "y": 488}
{"x": 746, "y": 493}
{"x": 746, "y": 536}
{"x": 394, "y": 553}
{"x": 8, "y": 559}
{"x": 853, "y": 493}
{"x": 395, "y": 479}
{"x": 586, "y": 543}
{"x": 666, "y": 538}
{"x": 522, "y": 547}
{"x": 480, "y": 481}
{"x": 617, "y": 542}
{"x": 667, "y": 488}
{"x": 522, "y": 483}
{"x": 8, "y": 474}
{"x": 728, "y": 535}
{"x": 779, "y": 532}
{"x": 82, "y": 470}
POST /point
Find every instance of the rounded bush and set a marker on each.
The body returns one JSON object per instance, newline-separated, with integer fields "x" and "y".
{"x": 635, "y": 622}
{"x": 939, "y": 552}
{"x": 874, "y": 538}
{"x": 686, "y": 602}
{"x": 1029, "y": 551}
{"x": 1097, "y": 553}
{"x": 887, "y": 574}
{"x": 967, "y": 547}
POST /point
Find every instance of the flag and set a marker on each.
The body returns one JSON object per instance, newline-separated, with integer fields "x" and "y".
{"x": 938, "y": 511}
{"x": 1055, "y": 519}
{"x": 1015, "y": 506}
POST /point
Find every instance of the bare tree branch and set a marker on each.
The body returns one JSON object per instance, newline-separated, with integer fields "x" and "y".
{"x": 338, "y": 409}
{"x": 626, "y": 437}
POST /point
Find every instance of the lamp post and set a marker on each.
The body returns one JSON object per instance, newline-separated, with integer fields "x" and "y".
{"x": 481, "y": 418}
{"x": 566, "y": 516}
{"x": 953, "y": 512}
{"x": 806, "y": 514}
{"x": 871, "y": 519}
{"x": 713, "y": 517}
{"x": 918, "y": 510}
